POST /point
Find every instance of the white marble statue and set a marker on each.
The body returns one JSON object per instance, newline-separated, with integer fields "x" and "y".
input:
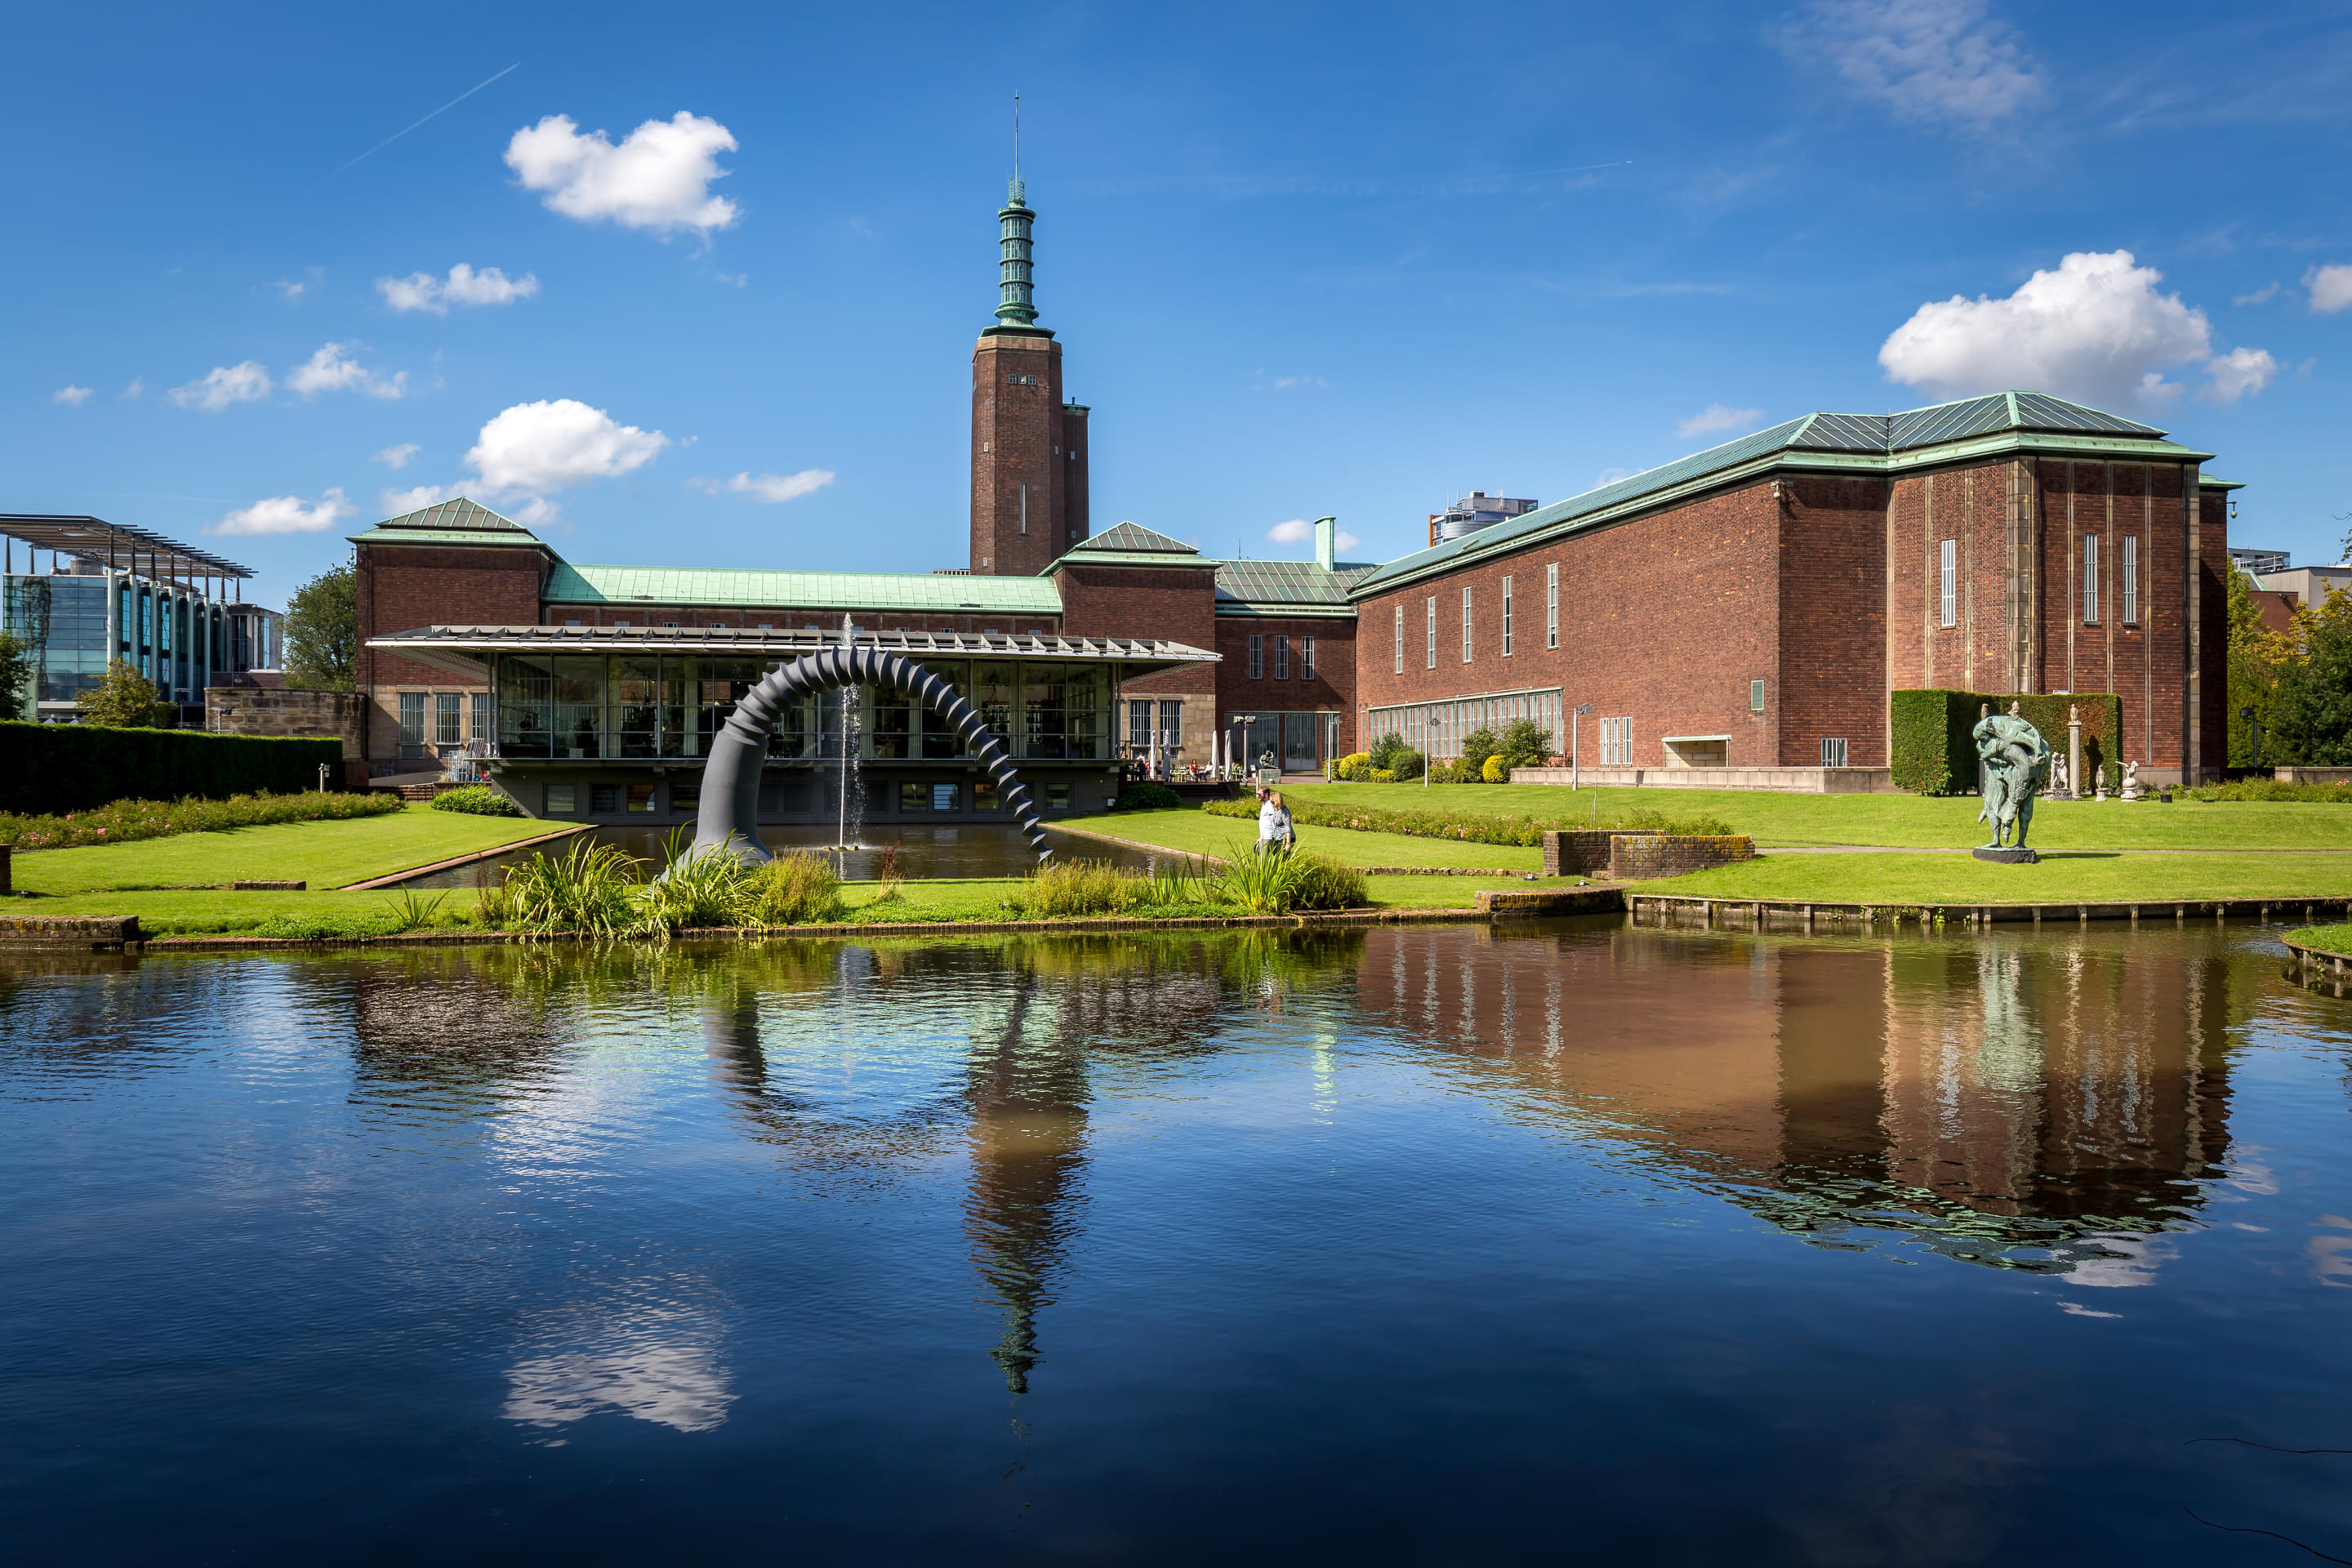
{"x": 2058, "y": 778}
{"x": 2131, "y": 781}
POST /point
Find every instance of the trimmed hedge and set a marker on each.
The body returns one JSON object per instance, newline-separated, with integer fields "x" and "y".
{"x": 476, "y": 800}
{"x": 48, "y": 769}
{"x": 1935, "y": 754}
{"x": 1469, "y": 828}
{"x": 127, "y": 821}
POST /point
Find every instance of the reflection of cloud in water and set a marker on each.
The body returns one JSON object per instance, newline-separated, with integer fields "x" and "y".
{"x": 656, "y": 1363}
{"x": 2122, "y": 1262}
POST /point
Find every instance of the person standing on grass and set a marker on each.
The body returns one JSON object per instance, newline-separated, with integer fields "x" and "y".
{"x": 1274, "y": 831}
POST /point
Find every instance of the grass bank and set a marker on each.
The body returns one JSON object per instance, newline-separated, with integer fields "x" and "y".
{"x": 2325, "y": 939}
{"x": 1891, "y": 821}
{"x": 2059, "y": 878}
{"x": 324, "y": 854}
{"x": 1194, "y": 831}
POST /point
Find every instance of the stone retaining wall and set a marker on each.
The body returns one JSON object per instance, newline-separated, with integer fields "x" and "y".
{"x": 308, "y": 715}
{"x": 2309, "y": 775}
{"x": 1785, "y": 781}
{"x": 1628, "y": 856}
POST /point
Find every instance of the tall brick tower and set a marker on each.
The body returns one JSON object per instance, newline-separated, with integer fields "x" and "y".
{"x": 1028, "y": 447}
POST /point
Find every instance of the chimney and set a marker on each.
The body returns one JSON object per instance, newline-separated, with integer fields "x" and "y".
{"x": 1327, "y": 542}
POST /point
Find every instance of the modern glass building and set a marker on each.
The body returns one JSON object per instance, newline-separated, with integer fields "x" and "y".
{"x": 614, "y": 722}
{"x": 108, "y": 591}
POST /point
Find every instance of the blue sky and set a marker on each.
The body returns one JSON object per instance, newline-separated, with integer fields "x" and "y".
{"x": 1303, "y": 259}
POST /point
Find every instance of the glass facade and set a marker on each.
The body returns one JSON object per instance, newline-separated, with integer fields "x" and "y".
{"x": 662, "y": 707}
{"x": 1436, "y": 729}
{"x": 73, "y": 623}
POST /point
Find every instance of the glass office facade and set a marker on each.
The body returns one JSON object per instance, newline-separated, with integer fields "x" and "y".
{"x": 73, "y": 623}
{"x": 1437, "y": 728}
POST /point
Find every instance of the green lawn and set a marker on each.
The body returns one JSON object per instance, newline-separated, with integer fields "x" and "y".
{"x": 1195, "y": 832}
{"x": 2327, "y": 939}
{"x": 2059, "y": 879}
{"x": 1893, "y": 821}
{"x": 324, "y": 854}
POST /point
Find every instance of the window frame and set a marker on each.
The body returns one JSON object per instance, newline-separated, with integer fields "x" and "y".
{"x": 1507, "y": 615}
{"x": 2090, "y": 579}
{"x": 1551, "y": 606}
{"x": 1257, "y": 656}
{"x": 1467, "y": 611}
{"x": 1948, "y": 587}
{"x": 1833, "y": 751}
{"x": 2127, "y": 604}
{"x": 1281, "y": 656}
{"x": 1430, "y": 633}
{"x": 1400, "y": 637}
{"x": 1305, "y": 658}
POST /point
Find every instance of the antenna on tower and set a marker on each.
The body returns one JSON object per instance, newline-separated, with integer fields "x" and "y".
{"x": 1016, "y": 147}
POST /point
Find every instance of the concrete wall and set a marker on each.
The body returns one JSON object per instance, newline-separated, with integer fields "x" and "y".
{"x": 306, "y": 715}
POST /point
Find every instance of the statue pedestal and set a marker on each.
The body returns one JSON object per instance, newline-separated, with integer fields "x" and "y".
{"x": 2008, "y": 856}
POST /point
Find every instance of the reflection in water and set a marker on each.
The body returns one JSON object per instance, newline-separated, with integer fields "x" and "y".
{"x": 654, "y": 1359}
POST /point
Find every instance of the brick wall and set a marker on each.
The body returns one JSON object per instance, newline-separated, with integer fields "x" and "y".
{"x": 1174, "y": 603}
{"x": 402, "y": 586}
{"x": 1017, "y": 440}
{"x": 286, "y": 710}
{"x": 1639, "y": 857}
{"x": 1832, "y": 622}
{"x": 1663, "y": 619}
{"x": 1333, "y": 687}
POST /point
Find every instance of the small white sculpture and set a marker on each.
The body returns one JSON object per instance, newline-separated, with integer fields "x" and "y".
{"x": 2058, "y": 778}
{"x": 2131, "y": 781}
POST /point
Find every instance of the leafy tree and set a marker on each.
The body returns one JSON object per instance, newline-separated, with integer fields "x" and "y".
{"x": 1525, "y": 744}
{"x": 1476, "y": 747}
{"x": 16, "y": 674}
{"x": 125, "y": 699}
{"x": 2311, "y": 714}
{"x": 322, "y": 632}
{"x": 2256, "y": 652}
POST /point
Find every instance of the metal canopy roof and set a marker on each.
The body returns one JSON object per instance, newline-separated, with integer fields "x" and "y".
{"x": 117, "y": 544}
{"x": 915, "y": 593}
{"x": 1842, "y": 440}
{"x": 463, "y": 650}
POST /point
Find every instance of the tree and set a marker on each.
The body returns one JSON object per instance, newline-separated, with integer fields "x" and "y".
{"x": 16, "y": 674}
{"x": 2256, "y": 652}
{"x": 322, "y": 632}
{"x": 125, "y": 699}
{"x": 2311, "y": 714}
{"x": 1525, "y": 744}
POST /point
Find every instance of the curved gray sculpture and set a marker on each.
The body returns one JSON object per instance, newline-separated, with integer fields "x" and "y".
{"x": 730, "y": 816}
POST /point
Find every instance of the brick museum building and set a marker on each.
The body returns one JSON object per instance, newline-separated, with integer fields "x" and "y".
{"x": 1747, "y": 609}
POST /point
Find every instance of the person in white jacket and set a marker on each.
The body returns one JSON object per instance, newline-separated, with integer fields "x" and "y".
{"x": 1274, "y": 835}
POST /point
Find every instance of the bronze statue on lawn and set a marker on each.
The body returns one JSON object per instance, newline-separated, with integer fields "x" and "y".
{"x": 2016, "y": 765}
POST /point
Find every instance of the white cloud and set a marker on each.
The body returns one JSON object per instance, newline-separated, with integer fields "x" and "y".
{"x": 72, "y": 396}
{"x": 2259, "y": 297}
{"x": 1298, "y": 530}
{"x": 1282, "y": 383}
{"x": 768, "y": 486}
{"x": 245, "y": 381}
{"x": 1933, "y": 61}
{"x": 286, "y": 515}
{"x": 2237, "y": 372}
{"x": 2330, "y": 285}
{"x": 1610, "y": 476}
{"x": 287, "y": 286}
{"x": 397, "y": 456}
{"x": 658, "y": 178}
{"x": 138, "y": 387}
{"x": 539, "y": 447}
{"x": 1717, "y": 416}
{"x": 464, "y": 285}
{"x": 2096, "y": 330}
{"x": 332, "y": 369}
{"x": 396, "y": 502}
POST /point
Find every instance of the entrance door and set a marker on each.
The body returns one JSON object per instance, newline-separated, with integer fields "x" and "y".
{"x": 1302, "y": 742}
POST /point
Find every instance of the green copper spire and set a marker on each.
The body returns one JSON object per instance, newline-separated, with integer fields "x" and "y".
{"x": 1017, "y": 305}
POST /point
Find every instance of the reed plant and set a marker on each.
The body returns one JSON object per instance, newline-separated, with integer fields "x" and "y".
{"x": 1062, "y": 889}
{"x": 590, "y": 888}
{"x": 1180, "y": 880}
{"x": 698, "y": 890}
{"x": 415, "y": 911}
{"x": 1318, "y": 883}
{"x": 795, "y": 889}
{"x": 1260, "y": 881}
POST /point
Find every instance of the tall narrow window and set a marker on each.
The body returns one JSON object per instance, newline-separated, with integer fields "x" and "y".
{"x": 1025, "y": 509}
{"x": 1257, "y": 657}
{"x": 1305, "y": 658}
{"x": 1949, "y": 591}
{"x": 2131, "y": 579}
{"x": 481, "y": 730}
{"x": 2091, "y": 579}
{"x": 1429, "y": 633}
{"x": 1506, "y": 618}
{"x": 1551, "y": 606}
{"x": 1465, "y": 623}
{"x": 1400, "y": 640}
{"x": 445, "y": 720}
{"x": 1282, "y": 659}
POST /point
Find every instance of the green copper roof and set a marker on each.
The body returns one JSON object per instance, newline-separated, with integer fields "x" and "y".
{"x": 937, "y": 594}
{"x": 1851, "y": 442}
{"x": 459, "y": 515}
{"x": 1131, "y": 539}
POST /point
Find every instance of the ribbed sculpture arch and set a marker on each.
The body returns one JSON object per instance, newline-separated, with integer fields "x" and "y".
{"x": 729, "y": 817}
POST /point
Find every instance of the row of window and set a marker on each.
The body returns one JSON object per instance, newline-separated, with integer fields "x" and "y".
{"x": 686, "y": 798}
{"x": 448, "y": 728}
{"x": 1281, "y": 658}
{"x": 1507, "y": 626}
{"x": 1949, "y": 581}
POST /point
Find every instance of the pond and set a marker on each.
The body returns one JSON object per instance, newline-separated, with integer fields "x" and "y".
{"x": 1566, "y": 1241}
{"x": 983, "y": 849}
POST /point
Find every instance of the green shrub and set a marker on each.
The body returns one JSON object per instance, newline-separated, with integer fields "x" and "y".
{"x": 2270, "y": 789}
{"x": 1648, "y": 820}
{"x": 795, "y": 889}
{"x": 1935, "y": 753}
{"x": 48, "y": 769}
{"x": 1146, "y": 797}
{"x": 418, "y": 911}
{"x": 1391, "y": 756}
{"x": 1525, "y": 744}
{"x": 476, "y": 800}
{"x": 1353, "y": 768}
{"x": 1318, "y": 883}
{"x": 1258, "y": 882}
{"x": 698, "y": 891}
{"x": 1479, "y": 744}
{"x": 1063, "y": 889}
{"x": 1494, "y": 772}
{"x": 1381, "y": 775}
{"x": 1467, "y": 828}
{"x": 331, "y": 925}
{"x": 128, "y": 821}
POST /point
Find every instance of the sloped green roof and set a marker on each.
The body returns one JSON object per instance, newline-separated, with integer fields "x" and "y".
{"x": 459, "y": 514}
{"x": 941, "y": 593}
{"x": 1131, "y": 539}
{"x": 1245, "y": 587}
{"x": 1869, "y": 442}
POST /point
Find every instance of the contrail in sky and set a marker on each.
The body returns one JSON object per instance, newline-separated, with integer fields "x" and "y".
{"x": 443, "y": 110}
